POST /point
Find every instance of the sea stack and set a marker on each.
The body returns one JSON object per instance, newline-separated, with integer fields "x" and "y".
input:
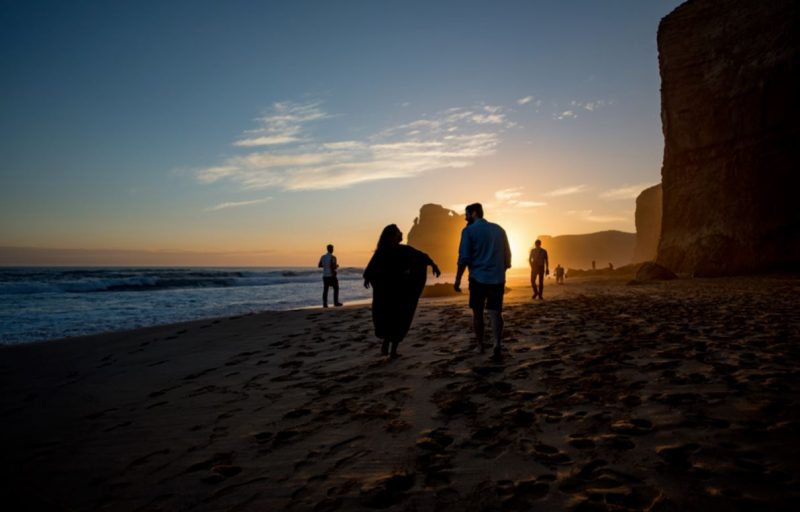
{"x": 648, "y": 224}
{"x": 437, "y": 232}
{"x": 728, "y": 101}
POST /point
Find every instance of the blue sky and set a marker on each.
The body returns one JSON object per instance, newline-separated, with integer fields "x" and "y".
{"x": 269, "y": 128}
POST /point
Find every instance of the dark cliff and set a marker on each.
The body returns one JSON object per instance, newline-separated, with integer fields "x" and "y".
{"x": 648, "y": 224}
{"x": 578, "y": 251}
{"x": 728, "y": 100}
{"x": 437, "y": 231}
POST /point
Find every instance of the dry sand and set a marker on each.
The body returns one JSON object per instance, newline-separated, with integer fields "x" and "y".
{"x": 666, "y": 396}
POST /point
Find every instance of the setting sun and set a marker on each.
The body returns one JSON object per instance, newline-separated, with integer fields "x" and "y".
{"x": 519, "y": 249}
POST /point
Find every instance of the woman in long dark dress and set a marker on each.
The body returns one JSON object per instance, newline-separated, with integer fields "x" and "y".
{"x": 397, "y": 275}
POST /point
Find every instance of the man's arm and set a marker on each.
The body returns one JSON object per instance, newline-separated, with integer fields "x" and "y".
{"x": 463, "y": 259}
{"x": 507, "y": 249}
{"x": 320, "y": 263}
{"x": 459, "y": 274}
{"x": 546, "y": 264}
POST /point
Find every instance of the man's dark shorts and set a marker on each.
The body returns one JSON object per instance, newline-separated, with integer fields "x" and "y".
{"x": 489, "y": 296}
{"x": 330, "y": 281}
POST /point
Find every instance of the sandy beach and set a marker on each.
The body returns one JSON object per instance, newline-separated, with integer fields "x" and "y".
{"x": 678, "y": 395}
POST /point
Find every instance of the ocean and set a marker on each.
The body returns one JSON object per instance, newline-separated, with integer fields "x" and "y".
{"x": 47, "y": 303}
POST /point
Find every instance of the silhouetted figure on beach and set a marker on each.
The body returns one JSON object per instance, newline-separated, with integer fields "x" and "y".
{"x": 329, "y": 280}
{"x": 484, "y": 249}
{"x": 540, "y": 266}
{"x": 559, "y": 274}
{"x": 397, "y": 275}
{"x": 610, "y": 266}
{"x": 594, "y": 265}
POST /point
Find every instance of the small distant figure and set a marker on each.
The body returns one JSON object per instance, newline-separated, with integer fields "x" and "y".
{"x": 594, "y": 265}
{"x": 540, "y": 266}
{"x": 559, "y": 274}
{"x": 397, "y": 275}
{"x": 329, "y": 280}
{"x": 610, "y": 266}
{"x": 484, "y": 249}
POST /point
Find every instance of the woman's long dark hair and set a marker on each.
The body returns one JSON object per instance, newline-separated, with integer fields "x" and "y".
{"x": 388, "y": 237}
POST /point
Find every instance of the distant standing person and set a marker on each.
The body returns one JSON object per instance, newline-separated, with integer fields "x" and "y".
{"x": 559, "y": 274}
{"x": 594, "y": 265}
{"x": 397, "y": 275}
{"x": 540, "y": 266}
{"x": 329, "y": 280}
{"x": 484, "y": 249}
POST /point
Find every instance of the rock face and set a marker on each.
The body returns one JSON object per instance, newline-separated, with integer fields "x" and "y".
{"x": 651, "y": 271}
{"x": 437, "y": 231}
{"x": 578, "y": 251}
{"x": 648, "y": 224}
{"x": 728, "y": 101}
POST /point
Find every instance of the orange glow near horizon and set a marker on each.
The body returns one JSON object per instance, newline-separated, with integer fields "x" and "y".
{"x": 519, "y": 251}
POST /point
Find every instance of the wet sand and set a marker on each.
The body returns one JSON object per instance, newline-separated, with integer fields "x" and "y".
{"x": 681, "y": 395}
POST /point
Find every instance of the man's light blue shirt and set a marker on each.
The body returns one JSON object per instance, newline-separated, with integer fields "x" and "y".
{"x": 485, "y": 251}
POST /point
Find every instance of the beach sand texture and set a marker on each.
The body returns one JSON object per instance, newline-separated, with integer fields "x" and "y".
{"x": 665, "y": 396}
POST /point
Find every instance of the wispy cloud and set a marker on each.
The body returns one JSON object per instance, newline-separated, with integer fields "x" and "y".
{"x": 283, "y": 126}
{"x": 589, "y": 216}
{"x": 591, "y": 106}
{"x": 624, "y": 192}
{"x": 451, "y": 138}
{"x": 508, "y": 194}
{"x": 566, "y": 191}
{"x": 512, "y": 197}
{"x": 237, "y": 204}
{"x": 528, "y": 204}
{"x": 566, "y": 114}
{"x": 531, "y": 101}
{"x": 575, "y": 107}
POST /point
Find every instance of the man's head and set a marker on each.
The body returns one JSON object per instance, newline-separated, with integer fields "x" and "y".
{"x": 538, "y": 243}
{"x": 473, "y": 212}
{"x": 330, "y": 248}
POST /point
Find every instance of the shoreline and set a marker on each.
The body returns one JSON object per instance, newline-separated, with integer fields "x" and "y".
{"x": 519, "y": 287}
{"x": 355, "y": 302}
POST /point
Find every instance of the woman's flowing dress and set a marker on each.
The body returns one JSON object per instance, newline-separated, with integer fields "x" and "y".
{"x": 397, "y": 275}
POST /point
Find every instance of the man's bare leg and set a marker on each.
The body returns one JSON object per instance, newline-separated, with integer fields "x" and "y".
{"x": 541, "y": 285}
{"x": 477, "y": 323}
{"x": 496, "y": 321}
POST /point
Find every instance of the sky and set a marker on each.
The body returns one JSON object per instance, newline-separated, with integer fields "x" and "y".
{"x": 255, "y": 133}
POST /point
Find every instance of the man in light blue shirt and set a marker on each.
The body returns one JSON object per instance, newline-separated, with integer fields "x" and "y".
{"x": 484, "y": 249}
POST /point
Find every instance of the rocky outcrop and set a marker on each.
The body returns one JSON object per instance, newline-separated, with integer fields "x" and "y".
{"x": 437, "y": 231}
{"x": 651, "y": 271}
{"x": 728, "y": 100}
{"x": 648, "y": 224}
{"x": 578, "y": 251}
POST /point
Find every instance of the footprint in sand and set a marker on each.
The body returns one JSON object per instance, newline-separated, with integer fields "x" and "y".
{"x": 580, "y": 442}
{"x": 678, "y": 454}
{"x": 146, "y": 458}
{"x": 433, "y": 459}
{"x": 520, "y": 495}
{"x": 387, "y": 491}
{"x": 632, "y": 427}
{"x": 193, "y": 376}
{"x": 549, "y": 455}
